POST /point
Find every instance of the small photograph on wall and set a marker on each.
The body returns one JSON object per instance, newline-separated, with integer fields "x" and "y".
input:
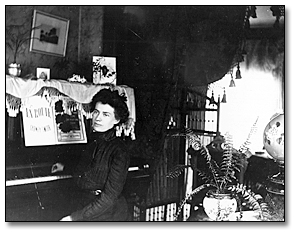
{"x": 43, "y": 73}
{"x": 104, "y": 70}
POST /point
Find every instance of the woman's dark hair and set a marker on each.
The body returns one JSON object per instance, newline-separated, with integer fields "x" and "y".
{"x": 112, "y": 98}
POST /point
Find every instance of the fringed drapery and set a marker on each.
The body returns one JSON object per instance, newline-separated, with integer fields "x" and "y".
{"x": 13, "y": 105}
{"x": 212, "y": 43}
{"x": 18, "y": 90}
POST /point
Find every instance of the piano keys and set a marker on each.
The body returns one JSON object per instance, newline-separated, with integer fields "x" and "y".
{"x": 34, "y": 194}
{"x": 31, "y": 195}
{"x": 39, "y": 179}
{"x": 36, "y": 180}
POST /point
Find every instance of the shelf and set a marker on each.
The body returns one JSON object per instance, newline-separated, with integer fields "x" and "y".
{"x": 194, "y": 109}
{"x": 198, "y": 131}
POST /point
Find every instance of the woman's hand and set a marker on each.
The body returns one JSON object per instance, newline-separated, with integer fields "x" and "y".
{"x": 57, "y": 167}
{"x": 66, "y": 218}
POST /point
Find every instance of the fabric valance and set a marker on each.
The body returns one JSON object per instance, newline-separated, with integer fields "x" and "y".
{"x": 18, "y": 90}
{"x": 81, "y": 93}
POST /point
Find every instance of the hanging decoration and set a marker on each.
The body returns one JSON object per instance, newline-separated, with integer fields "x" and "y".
{"x": 277, "y": 11}
{"x": 232, "y": 83}
{"x": 238, "y": 72}
{"x": 224, "y": 97}
{"x": 209, "y": 53}
{"x": 212, "y": 99}
{"x": 217, "y": 88}
{"x": 251, "y": 12}
{"x": 13, "y": 105}
{"x": 241, "y": 52}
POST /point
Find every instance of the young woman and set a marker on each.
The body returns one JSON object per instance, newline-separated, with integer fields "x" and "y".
{"x": 102, "y": 171}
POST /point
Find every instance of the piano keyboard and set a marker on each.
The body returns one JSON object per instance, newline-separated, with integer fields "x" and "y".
{"x": 36, "y": 180}
{"x": 50, "y": 178}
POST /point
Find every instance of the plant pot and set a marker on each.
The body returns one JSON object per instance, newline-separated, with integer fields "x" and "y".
{"x": 219, "y": 207}
{"x": 14, "y": 69}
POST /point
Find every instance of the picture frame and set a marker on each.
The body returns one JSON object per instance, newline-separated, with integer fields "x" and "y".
{"x": 49, "y": 34}
{"x": 43, "y": 73}
{"x": 104, "y": 70}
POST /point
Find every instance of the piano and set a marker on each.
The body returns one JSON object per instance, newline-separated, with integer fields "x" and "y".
{"x": 34, "y": 194}
{"x": 52, "y": 177}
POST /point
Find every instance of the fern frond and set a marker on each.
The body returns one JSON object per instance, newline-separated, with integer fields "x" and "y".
{"x": 197, "y": 145}
{"x": 193, "y": 138}
{"x": 189, "y": 196}
{"x": 206, "y": 177}
{"x": 227, "y": 163}
{"x": 254, "y": 200}
{"x": 245, "y": 146}
{"x": 176, "y": 171}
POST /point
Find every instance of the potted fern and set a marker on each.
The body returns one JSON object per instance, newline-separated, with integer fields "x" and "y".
{"x": 224, "y": 194}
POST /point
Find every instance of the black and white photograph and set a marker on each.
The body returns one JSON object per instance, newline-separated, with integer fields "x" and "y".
{"x": 43, "y": 73}
{"x": 178, "y": 116}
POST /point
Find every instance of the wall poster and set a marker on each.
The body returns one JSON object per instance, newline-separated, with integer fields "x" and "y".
{"x": 47, "y": 123}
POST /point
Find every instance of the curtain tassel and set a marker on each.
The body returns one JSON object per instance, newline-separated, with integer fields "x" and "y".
{"x": 224, "y": 97}
{"x": 212, "y": 99}
{"x": 238, "y": 73}
{"x": 232, "y": 83}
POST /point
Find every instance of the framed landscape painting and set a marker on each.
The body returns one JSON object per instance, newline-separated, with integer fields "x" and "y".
{"x": 49, "y": 34}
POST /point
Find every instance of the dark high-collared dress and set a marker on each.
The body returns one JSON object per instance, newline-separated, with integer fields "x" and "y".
{"x": 101, "y": 175}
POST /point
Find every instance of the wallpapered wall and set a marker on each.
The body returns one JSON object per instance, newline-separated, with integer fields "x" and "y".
{"x": 84, "y": 39}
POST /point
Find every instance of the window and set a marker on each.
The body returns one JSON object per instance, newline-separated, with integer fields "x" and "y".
{"x": 257, "y": 94}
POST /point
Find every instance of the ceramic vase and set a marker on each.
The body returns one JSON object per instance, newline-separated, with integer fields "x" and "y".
{"x": 219, "y": 207}
{"x": 14, "y": 69}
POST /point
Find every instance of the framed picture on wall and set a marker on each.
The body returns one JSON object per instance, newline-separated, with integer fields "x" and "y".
{"x": 49, "y": 34}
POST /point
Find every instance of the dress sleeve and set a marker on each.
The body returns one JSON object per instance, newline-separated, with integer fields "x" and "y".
{"x": 112, "y": 189}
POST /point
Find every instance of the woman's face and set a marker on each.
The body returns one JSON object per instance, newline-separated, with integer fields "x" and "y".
{"x": 103, "y": 117}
